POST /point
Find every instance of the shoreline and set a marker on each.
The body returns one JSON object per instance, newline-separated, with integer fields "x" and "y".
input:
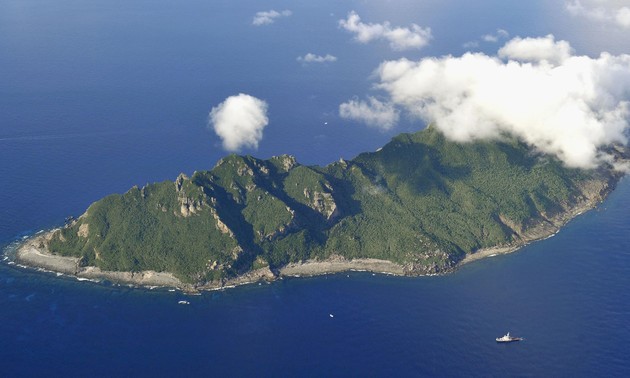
{"x": 32, "y": 253}
{"x": 546, "y": 229}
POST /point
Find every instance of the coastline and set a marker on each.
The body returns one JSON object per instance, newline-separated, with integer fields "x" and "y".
{"x": 338, "y": 264}
{"x": 33, "y": 253}
{"x": 547, "y": 228}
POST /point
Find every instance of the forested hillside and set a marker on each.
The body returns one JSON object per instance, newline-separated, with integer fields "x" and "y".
{"x": 421, "y": 201}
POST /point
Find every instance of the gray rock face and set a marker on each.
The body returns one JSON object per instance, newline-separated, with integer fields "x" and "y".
{"x": 323, "y": 203}
{"x": 421, "y": 203}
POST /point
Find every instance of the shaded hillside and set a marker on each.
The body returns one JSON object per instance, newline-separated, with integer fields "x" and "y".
{"x": 421, "y": 201}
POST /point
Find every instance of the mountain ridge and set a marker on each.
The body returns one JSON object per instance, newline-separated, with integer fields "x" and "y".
{"x": 419, "y": 205}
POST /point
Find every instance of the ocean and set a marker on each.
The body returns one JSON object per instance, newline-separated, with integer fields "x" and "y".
{"x": 98, "y": 96}
{"x": 567, "y": 296}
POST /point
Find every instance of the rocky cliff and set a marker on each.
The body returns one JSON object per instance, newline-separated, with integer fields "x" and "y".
{"x": 421, "y": 203}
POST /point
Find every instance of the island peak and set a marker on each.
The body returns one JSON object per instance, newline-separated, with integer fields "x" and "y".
{"x": 419, "y": 205}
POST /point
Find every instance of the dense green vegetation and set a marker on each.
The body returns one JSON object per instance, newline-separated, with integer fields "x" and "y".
{"x": 421, "y": 201}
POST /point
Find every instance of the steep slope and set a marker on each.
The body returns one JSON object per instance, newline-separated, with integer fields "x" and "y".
{"x": 427, "y": 202}
{"x": 421, "y": 202}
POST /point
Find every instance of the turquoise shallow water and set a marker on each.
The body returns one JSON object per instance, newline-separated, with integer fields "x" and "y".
{"x": 98, "y": 97}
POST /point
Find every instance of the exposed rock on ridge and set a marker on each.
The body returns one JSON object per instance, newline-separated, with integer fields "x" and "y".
{"x": 421, "y": 203}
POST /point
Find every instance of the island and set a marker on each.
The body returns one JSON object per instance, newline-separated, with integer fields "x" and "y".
{"x": 420, "y": 205}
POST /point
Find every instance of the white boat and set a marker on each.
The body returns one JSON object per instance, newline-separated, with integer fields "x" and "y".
{"x": 183, "y": 302}
{"x": 508, "y": 339}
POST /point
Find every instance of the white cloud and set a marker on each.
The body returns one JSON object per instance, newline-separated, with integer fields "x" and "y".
{"x": 622, "y": 17}
{"x": 312, "y": 58}
{"x": 567, "y": 106}
{"x": 502, "y": 33}
{"x": 536, "y": 49}
{"x": 399, "y": 38}
{"x": 494, "y": 38}
{"x": 614, "y": 12}
{"x": 488, "y": 38}
{"x": 373, "y": 113}
{"x": 269, "y": 17}
{"x": 239, "y": 121}
{"x": 470, "y": 45}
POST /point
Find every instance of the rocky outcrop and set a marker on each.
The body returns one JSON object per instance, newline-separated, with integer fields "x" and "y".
{"x": 285, "y": 228}
{"x": 420, "y": 201}
{"x": 188, "y": 205}
{"x": 323, "y": 202}
{"x": 220, "y": 225}
{"x": 34, "y": 253}
{"x": 592, "y": 192}
{"x": 84, "y": 230}
{"x": 287, "y": 162}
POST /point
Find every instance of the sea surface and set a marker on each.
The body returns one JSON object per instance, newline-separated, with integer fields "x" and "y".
{"x": 98, "y": 96}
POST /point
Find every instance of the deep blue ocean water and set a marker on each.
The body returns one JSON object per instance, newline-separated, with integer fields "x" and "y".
{"x": 98, "y": 96}
{"x": 568, "y": 296}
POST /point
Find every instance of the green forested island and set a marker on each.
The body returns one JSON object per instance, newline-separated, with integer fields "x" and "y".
{"x": 421, "y": 203}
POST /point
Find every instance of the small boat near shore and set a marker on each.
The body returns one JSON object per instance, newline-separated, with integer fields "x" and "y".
{"x": 508, "y": 339}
